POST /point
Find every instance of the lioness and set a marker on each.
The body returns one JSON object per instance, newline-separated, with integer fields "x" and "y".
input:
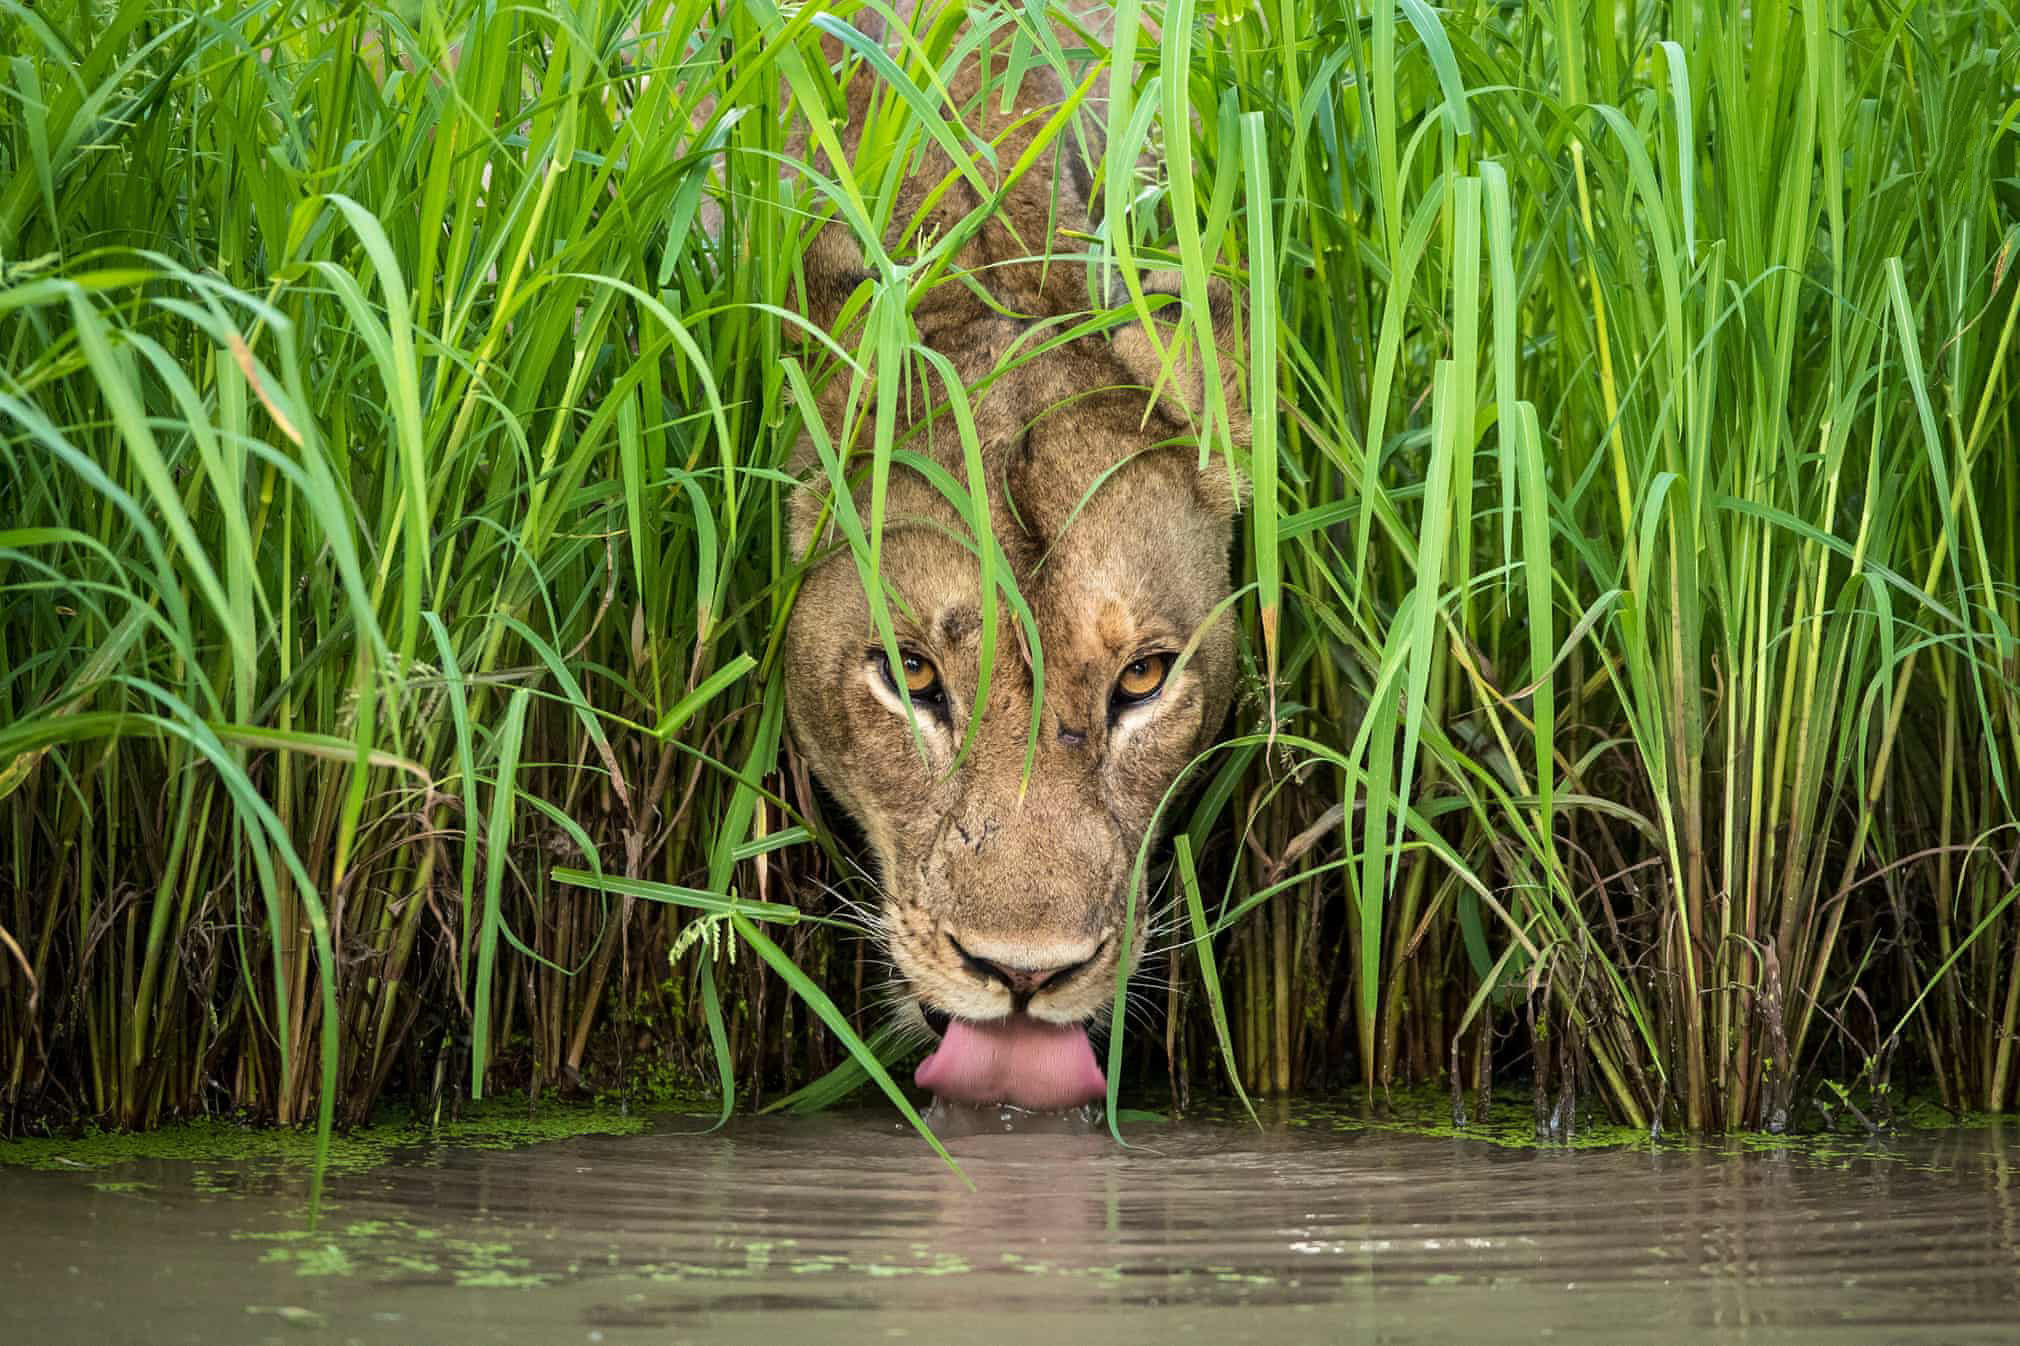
{"x": 1004, "y": 902}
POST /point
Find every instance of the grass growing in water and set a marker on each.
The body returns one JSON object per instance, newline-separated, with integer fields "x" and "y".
{"x": 392, "y": 407}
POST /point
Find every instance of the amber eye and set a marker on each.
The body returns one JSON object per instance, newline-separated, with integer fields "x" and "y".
{"x": 922, "y": 680}
{"x": 1142, "y": 679}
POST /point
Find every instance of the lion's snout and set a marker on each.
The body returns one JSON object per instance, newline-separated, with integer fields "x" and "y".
{"x": 1024, "y": 968}
{"x": 1028, "y": 920}
{"x": 1052, "y": 957}
{"x": 1010, "y": 1000}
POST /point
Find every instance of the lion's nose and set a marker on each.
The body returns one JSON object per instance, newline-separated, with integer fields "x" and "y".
{"x": 1022, "y": 982}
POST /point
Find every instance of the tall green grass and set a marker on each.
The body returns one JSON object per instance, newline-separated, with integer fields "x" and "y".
{"x": 393, "y": 406}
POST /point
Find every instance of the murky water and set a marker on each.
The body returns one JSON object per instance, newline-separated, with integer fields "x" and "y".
{"x": 844, "y": 1229}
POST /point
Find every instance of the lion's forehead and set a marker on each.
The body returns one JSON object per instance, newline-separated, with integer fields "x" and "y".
{"x": 1103, "y": 559}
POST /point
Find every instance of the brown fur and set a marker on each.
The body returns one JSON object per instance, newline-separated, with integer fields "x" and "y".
{"x": 1028, "y": 877}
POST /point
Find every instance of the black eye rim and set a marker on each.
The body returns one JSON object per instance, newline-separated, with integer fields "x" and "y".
{"x": 934, "y": 696}
{"x": 1122, "y": 700}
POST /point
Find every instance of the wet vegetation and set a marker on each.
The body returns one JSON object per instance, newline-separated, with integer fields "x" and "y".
{"x": 393, "y": 406}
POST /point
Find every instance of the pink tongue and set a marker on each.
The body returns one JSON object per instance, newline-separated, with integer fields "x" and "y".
{"x": 1022, "y": 1061}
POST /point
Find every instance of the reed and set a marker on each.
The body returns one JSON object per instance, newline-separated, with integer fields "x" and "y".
{"x": 393, "y": 399}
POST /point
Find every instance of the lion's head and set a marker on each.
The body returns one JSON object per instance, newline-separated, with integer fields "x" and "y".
{"x": 1005, "y": 893}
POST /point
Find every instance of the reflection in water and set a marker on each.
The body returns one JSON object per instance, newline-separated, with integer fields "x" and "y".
{"x": 845, "y": 1230}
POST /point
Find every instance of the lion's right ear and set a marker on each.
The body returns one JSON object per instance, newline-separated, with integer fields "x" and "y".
{"x": 806, "y": 505}
{"x": 831, "y": 269}
{"x": 1179, "y": 391}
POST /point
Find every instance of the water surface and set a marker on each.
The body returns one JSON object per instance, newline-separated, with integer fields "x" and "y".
{"x": 844, "y": 1229}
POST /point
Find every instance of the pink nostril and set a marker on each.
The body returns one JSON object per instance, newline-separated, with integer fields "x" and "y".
{"x": 1022, "y": 982}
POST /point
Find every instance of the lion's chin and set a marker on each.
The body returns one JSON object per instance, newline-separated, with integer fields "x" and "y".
{"x": 1019, "y": 1060}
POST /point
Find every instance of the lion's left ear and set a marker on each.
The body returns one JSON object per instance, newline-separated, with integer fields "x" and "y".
{"x": 1179, "y": 392}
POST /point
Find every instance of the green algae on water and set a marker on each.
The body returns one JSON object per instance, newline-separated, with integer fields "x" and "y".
{"x": 384, "y": 1251}
{"x": 1509, "y": 1123}
{"x": 495, "y": 1124}
{"x": 324, "y": 1259}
